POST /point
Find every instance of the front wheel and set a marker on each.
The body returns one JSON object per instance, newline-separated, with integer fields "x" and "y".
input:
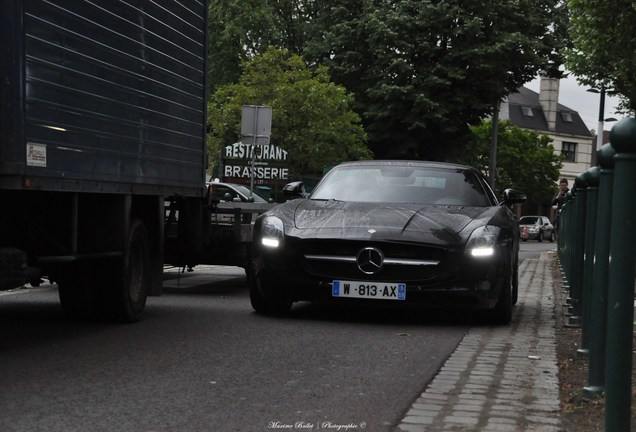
{"x": 515, "y": 282}
{"x": 502, "y": 312}
{"x": 262, "y": 297}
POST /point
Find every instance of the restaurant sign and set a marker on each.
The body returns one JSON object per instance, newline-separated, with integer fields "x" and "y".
{"x": 271, "y": 164}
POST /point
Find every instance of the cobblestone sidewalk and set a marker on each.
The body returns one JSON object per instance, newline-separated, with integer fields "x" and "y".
{"x": 500, "y": 378}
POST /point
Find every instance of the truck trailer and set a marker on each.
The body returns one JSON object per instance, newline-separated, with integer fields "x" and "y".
{"x": 102, "y": 122}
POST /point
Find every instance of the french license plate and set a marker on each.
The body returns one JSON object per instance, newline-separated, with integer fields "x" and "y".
{"x": 369, "y": 290}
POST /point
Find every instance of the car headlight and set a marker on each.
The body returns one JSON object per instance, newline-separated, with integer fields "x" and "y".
{"x": 482, "y": 241}
{"x": 272, "y": 232}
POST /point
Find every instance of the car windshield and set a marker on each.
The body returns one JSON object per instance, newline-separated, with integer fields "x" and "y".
{"x": 528, "y": 220}
{"x": 402, "y": 184}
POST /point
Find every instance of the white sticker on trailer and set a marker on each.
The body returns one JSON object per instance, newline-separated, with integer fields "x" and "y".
{"x": 36, "y": 154}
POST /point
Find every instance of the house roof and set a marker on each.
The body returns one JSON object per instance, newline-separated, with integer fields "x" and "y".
{"x": 528, "y": 100}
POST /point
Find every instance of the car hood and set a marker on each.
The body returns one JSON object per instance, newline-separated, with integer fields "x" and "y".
{"x": 405, "y": 222}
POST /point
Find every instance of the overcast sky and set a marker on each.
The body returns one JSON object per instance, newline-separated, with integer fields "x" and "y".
{"x": 585, "y": 103}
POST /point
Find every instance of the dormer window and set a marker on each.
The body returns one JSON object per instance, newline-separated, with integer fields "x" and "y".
{"x": 527, "y": 111}
{"x": 567, "y": 117}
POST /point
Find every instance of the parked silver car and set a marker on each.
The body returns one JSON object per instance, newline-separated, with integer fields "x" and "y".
{"x": 234, "y": 192}
{"x": 536, "y": 228}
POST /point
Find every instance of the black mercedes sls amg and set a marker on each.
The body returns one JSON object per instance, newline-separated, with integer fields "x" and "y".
{"x": 390, "y": 231}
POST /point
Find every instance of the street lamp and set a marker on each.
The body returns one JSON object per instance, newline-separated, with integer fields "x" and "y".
{"x": 601, "y": 115}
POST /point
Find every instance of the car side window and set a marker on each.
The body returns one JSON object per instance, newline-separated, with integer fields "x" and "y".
{"x": 474, "y": 192}
{"x": 220, "y": 191}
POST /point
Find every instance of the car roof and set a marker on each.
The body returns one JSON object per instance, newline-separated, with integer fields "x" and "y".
{"x": 231, "y": 185}
{"x": 226, "y": 184}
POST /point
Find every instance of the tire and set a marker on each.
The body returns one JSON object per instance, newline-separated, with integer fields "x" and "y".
{"x": 552, "y": 236}
{"x": 110, "y": 289}
{"x": 502, "y": 312}
{"x": 261, "y": 295}
{"x": 515, "y": 282}
{"x": 78, "y": 296}
{"x": 127, "y": 287}
{"x": 540, "y": 238}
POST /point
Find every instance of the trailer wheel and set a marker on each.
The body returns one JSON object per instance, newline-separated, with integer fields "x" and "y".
{"x": 77, "y": 294}
{"x": 129, "y": 285}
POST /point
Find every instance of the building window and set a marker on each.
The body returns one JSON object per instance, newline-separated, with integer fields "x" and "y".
{"x": 527, "y": 111}
{"x": 567, "y": 117}
{"x": 569, "y": 151}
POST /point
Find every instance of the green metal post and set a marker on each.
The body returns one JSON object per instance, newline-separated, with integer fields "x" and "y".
{"x": 576, "y": 258}
{"x": 564, "y": 232}
{"x": 598, "y": 314}
{"x": 564, "y": 229}
{"x": 620, "y": 295}
{"x": 591, "y": 178}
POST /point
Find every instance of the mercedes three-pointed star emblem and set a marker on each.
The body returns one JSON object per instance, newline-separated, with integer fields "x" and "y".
{"x": 370, "y": 260}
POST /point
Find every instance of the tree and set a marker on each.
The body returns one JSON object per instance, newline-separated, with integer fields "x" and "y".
{"x": 423, "y": 71}
{"x": 525, "y": 160}
{"x": 311, "y": 116}
{"x": 240, "y": 30}
{"x": 603, "y": 51}
{"x": 237, "y": 31}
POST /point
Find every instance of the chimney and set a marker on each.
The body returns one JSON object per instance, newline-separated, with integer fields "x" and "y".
{"x": 548, "y": 98}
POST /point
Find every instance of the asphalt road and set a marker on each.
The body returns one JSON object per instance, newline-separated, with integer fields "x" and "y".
{"x": 533, "y": 248}
{"x": 201, "y": 360}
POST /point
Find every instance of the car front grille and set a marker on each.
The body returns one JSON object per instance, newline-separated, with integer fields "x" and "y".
{"x": 402, "y": 262}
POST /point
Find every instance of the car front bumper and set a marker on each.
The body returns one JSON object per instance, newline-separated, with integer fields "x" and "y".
{"x": 457, "y": 281}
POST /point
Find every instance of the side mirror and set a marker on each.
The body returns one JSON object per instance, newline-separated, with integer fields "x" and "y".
{"x": 294, "y": 189}
{"x": 512, "y": 196}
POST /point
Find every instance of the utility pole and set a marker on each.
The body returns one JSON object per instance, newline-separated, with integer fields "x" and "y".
{"x": 493, "y": 147}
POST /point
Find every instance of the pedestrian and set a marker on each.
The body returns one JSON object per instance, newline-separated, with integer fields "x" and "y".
{"x": 559, "y": 199}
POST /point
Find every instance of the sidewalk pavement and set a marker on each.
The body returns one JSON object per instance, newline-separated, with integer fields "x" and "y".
{"x": 500, "y": 378}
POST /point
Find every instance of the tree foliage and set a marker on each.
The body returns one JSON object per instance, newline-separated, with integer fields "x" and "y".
{"x": 420, "y": 71}
{"x": 525, "y": 160}
{"x": 603, "y": 51}
{"x": 240, "y": 30}
{"x": 311, "y": 116}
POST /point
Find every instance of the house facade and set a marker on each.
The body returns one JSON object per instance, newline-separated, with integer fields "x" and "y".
{"x": 542, "y": 113}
